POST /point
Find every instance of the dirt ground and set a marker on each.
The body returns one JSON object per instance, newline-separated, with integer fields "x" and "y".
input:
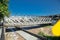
{"x": 46, "y": 30}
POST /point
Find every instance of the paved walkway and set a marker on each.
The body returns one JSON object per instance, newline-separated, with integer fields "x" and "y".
{"x": 0, "y": 32}
{"x": 27, "y": 36}
{"x": 13, "y": 36}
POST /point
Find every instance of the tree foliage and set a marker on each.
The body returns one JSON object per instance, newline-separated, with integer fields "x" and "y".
{"x": 4, "y": 8}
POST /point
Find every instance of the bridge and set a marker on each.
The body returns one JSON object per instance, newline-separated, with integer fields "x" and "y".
{"x": 26, "y": 20}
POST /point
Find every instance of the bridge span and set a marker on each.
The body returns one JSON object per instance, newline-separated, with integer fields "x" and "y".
{"x": 26, "y": 20}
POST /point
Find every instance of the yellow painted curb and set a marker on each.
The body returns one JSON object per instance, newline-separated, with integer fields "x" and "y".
{"x": 56, "y": 29}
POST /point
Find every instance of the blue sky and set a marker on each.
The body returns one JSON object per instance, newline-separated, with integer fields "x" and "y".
{"x": 34, "y": 7}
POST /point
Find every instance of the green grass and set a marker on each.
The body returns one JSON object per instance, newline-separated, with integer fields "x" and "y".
{"x": 52, "y": 38}
{"x": 49, "y": 37}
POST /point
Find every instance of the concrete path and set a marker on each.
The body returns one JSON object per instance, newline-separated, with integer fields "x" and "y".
{"x": 13, "y": 36}
{"x": 0, "y": 32}
{"x": 27, "y": 36}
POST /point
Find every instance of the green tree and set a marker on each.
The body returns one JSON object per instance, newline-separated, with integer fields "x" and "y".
{"x": 3, "y": 9}
{"x": 3, "y": 12}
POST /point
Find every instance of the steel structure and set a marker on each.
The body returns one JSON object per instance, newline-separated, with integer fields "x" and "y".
{"x": 26, "y": 20}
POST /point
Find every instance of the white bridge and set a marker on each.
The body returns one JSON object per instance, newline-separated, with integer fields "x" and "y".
{"x": 26, "y": 20}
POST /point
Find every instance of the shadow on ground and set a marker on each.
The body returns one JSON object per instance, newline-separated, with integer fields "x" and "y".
{"x": 33, "y": 27}
{"x": 52, "y": 38}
